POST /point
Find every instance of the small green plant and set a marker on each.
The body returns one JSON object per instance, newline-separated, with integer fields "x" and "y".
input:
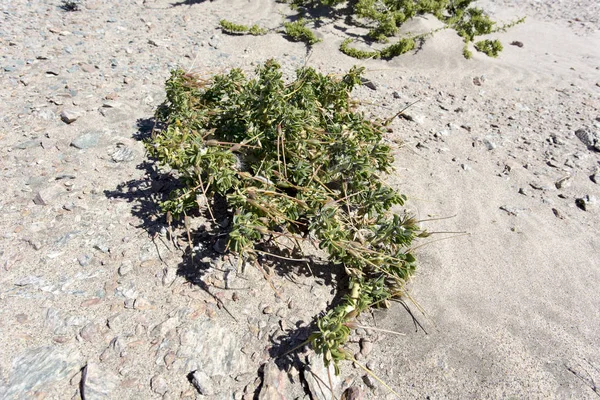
{"x": 295, "y": 162}
{"x": 490, "y": 47}
{"x": 299, "y": 32}
{"x": 233, "y": 29}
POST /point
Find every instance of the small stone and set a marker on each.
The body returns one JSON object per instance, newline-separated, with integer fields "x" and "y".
{"x": 89, "y": 332}
{"x": 589, "y": 138}
{"x": 353, "y": 393}
{"x": 366, "y": 346}
{"x": 368, "y": 380}
{"x": 489, "y": 144}
{"x": 368, "y": 83}
{"x": 585, "y": 202}
{"x": 516, "y": 43}
{"x": 86, "y": 141}
{"x": 84, "y": 260}
{"x": 557, "y": 213}
{"x": 396, "y": 94}
{"x": 563, "y": 182}
{"x": 267, "y": 310}
{"x": 203, "y": 383}
{"x": 125, "y": 268}
{"x": 595, "y": 177}
{"x": 159, "y": 385}
{"x": 69, "y": 116}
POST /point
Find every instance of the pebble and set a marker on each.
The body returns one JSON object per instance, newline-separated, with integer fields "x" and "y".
{"x": 84, "y": 260}
{"x": 353, "y": 393}
{"x": 158, "y": 384}
{"x": 586, "y": 202}
{"x": 203, "y": 383}
{"x": 366, "y": 346}
{"x": 69, "y": 116}
{"x": 125, "y": 268}
{"x": 589, "y": 138}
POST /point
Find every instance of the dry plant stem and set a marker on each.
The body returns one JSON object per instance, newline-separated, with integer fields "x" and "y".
{"x": 380, "y": 330}
{"x": 282, "y": 257}
{"x": 399, "y": 113}
{"x": 412, "y": 249}
{"x": 212, "y": 216}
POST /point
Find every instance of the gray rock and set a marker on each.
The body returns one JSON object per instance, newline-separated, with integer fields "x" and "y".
{"x": 213, "y": 349}
{"x": 589, "y": 138}
{"x": 203, "y": 383}
{"x": 99, "y": 383}
{"x": 69, "y": 116}
{"x": 317, "y": 377}
{"x": 86, "y": 141}
{"x": 40, "y": 367}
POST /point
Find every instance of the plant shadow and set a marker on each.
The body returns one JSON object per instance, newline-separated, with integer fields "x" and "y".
{"x": 208, "y": 241}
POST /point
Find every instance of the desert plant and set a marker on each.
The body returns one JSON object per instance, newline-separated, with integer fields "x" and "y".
{"x": 385, "y": 17}
{"x": 295, "y": 162}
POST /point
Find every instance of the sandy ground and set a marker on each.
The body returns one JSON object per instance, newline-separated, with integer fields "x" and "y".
{"x": 512, "y": 308}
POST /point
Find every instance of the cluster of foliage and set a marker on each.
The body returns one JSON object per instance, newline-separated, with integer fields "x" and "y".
{"x": 296, "y": 163}
{"x": 385, "y": 17}
{"x": 236, "y": 29}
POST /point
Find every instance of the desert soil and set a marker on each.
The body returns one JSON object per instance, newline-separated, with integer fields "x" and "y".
{"x": 99, "y": 300}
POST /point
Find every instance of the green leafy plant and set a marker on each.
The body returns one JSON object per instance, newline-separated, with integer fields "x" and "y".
{"x": 490, "y": 47}
{"x": 232, "y": 28}
{"x": 296, "y": 163}
{"x": 299, "y": 32}
{"x": 385, "y": 17}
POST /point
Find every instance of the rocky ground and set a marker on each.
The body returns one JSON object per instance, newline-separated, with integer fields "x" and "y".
{"x": 99, "y": 299}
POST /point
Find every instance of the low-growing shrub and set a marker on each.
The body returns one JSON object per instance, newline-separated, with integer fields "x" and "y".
{"x": 296, "y": 163}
